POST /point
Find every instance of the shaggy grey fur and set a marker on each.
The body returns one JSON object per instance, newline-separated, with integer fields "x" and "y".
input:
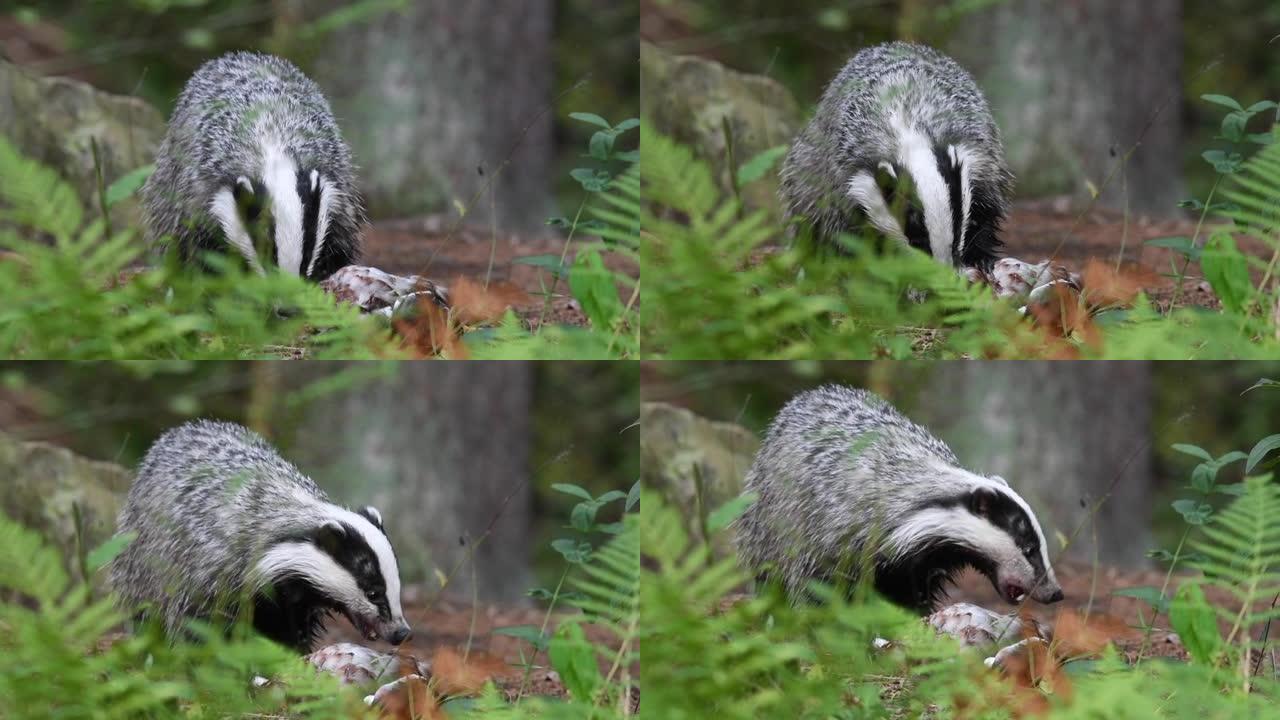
{"x": 228, "y": 110}
{"x": 857, "y": 126}
{"x": 209, "y": 500}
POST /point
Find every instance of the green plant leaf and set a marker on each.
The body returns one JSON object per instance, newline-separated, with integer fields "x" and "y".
{"x": 1227, "y": 270}
{"x": 127, "y": 184}
{"x": 1222, "y": 100}
{"x": 529, "y": 633}
{"x": 574, "y": 657}
{"x": 591, "y": 119}
{"x": 1264, "y": 384}
{"x": 756, "y": 167}
{"x": 1193, "y": 512}
{"x": 1259, "y": 451}
{"x": 570, "y": 489}
{"x": 1196, "y": 623}
{"x": 1147, "y": 594}
{"x": 107, "y": 551}
{"x": 633, "y": 497}
{"x": 1193, "y": 450}
{"x": 595, "y": 288}
{"x": 721, "y": 517}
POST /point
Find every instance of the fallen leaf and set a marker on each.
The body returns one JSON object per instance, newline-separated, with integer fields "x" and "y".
{"x": 452, "y": 675}
{"x": 429, "y": 331}
{"x": 474, "y": 303}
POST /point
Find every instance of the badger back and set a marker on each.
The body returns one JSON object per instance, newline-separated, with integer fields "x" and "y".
{"x": 254, "y": 163}
{"x": 903, "y": 145}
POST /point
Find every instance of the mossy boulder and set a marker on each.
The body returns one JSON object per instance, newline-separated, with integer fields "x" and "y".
{"x": 695, "y": 463}
{"x": 57, "y": 121}
{"x": 692, "y": 99}
{"x": 70, "y": 500}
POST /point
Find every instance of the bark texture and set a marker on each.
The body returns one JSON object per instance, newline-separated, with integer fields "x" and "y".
{"x": 1074, "y": 85}
{"x": 437, "y": 448}
{"x": 432, "y": 100}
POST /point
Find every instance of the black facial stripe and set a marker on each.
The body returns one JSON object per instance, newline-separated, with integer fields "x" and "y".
{"x": 1006, "y": 514}
{"x": 904, "y": 205}
{"x": 356, "y": 557}
{"x": 310, "y": 217}
{"x": 951, "y": 176}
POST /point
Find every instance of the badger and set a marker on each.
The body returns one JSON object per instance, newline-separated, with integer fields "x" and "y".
{"x": 226, "y": 527}
{"x": 902, "y": 146}
{"x": 253, "y": 163}
{"x": 846, "y": 485}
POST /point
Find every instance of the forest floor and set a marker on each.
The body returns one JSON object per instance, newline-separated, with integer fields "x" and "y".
{"x": 1085, "y": 590}
{"x": 431, "y": 248}
{"x": 447, "y": 624}
{"x": 1041, "y": 230}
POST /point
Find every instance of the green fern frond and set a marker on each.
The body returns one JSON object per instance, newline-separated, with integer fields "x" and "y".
{"x": 1241, "y": 556}
{"x": 28, "y": 565}
{"x": 1255, "y": 190}
{"x": 33, "y": 196}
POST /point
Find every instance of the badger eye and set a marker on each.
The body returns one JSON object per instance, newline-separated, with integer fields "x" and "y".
{"x": 372, "y": 595}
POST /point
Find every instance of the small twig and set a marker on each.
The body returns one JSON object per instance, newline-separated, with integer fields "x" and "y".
{"x": 1266, "y": 630}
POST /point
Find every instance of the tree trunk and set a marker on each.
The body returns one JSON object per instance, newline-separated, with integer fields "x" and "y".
{"x": 438, "y": 448}
{"x": 1065, "y": 435}
{"x": 1074, "y": 85}
{"x": 434, "y": 98}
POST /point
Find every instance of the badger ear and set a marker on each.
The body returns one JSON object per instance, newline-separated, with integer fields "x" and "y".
{"x": 887, "y": 180}
{"x": 372, "y": 515}
{"x": 982, "y": 501}
{"x": 329, "y": 536}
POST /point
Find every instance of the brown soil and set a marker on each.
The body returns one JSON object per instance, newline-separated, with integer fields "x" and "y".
{"x": 432, "y": 248}
{"x": 1041, "y": 230}
{"x": 447, "y": 623}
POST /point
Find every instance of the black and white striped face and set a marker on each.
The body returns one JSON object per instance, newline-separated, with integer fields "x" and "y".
{"x": 924, "y": 197}
{"x": 997, "y": 532}
{"x": 349, "y": 561}
{"x": 279, "y": 220}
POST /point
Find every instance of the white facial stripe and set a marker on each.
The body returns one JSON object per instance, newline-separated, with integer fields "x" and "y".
{"x": 223, "y": 209}
{"x": 382, "y": 549}
{"x": 917, "y": 156}
{"x": 954, "y": 524}
{"x": 315, "y": 178}
{"x": 305, "y": 560}
{"x": 864, "y": 191}
{"x": 280, "y": 175}
{"x": 966, "y": 158}
{"x": 322, "y": 222}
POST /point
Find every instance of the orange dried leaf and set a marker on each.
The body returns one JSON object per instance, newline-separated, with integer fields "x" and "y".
{"x": 1105, "y": 286}
{"x": 411, "y": 700}
{"x": 475, "y": 304}
{"x": 429, "y": 332}
{"x": 451, "y": 675}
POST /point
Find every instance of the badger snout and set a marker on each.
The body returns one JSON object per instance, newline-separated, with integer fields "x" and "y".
{"x": 399, "y": 634}
{"x": 1047, "y": 592}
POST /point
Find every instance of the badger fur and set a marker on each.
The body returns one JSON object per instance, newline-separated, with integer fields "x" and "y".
{"x": 225, "y": 525}
{"x": 903, "y": 146}
{"x": 253, "y": 163}
{"x": 846, "y": 482}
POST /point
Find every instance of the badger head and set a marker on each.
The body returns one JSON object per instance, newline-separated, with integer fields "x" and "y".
{"x": 292, "y": 217}
{"x": 925, "y": 196}
{"x": 344, "y": 564}
{"x": 986, "y": 526}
